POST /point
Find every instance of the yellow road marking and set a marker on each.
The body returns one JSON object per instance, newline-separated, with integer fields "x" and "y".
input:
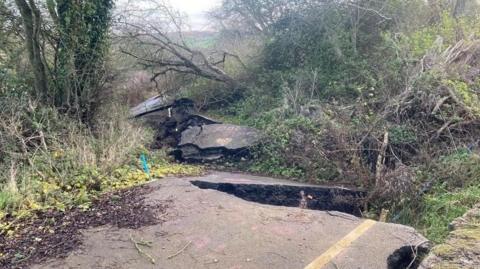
{"x": 341, "y": 245}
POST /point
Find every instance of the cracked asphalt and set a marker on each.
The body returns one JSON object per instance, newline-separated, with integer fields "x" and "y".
{"x": 210, "y": 229}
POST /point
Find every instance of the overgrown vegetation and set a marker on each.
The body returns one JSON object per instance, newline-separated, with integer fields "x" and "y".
{"x": 450, "y": 186}
{"x": 378, "y": 94}
{"x": 65, "y": 133}
{"x": 384, "y": 95}
{"x": 52, "y": 162}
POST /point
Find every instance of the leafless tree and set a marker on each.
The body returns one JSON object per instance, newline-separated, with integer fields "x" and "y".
{"x": 257, "y": 16}
{"x": 152, "y": 33}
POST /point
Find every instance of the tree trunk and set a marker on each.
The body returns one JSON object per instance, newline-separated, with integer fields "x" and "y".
{"x": 32, "y": 22}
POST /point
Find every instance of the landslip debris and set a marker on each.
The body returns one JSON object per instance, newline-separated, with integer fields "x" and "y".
{"x": 194, "y": 137}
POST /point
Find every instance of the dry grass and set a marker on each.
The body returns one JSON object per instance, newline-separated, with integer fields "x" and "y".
{"x": 40, "y": 148}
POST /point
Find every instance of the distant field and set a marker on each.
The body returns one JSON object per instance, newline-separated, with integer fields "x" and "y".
{"x": 201, "y": 40}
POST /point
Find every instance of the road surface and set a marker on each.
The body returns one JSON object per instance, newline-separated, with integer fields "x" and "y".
{"x": 210, "y": 229}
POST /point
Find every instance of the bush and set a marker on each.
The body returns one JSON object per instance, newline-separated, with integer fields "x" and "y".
{"x": 448, "y": 28}
{"x": 54, "y": 162}
{"x": 294, "y": 147}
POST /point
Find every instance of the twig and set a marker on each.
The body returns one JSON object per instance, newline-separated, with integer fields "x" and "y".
{"x": 137, "y": 246}
{"x": 341, "y": 215}
{"x": 371, "y": 10}
{"x": 145, "y": 243}
{"x": 381, "y": 160}
{"x": 279, "y": 255}
{"x": 442, "y": 129}
{"x": 439, "y": 104}
{"x": 415, "y": 253}
{"x": 180, "y": 251}
{"x": 12, "y": 184}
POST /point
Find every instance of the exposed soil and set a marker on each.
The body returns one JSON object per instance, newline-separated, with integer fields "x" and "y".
{"x": 317, "y": 198}
{"x": 241, "y": 166}
{"x": 54, "y": 234}
{"x": 407, "y": 257}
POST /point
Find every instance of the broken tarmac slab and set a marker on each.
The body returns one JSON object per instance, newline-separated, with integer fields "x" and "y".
{"x": 214, "y": 141}
{"x": 206, "y": 228}
{"x": 169, "y": 117}
{"x": 286, "y": 193}
{"x": 195, "y": 137}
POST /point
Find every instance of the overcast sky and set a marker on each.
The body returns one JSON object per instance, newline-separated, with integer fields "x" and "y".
{"x": 196, "y": 11}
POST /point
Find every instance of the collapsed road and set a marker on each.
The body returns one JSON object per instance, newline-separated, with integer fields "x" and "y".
{"x": 193, "y": 136}
{"x": 211, "y": 227}
{"x": 238, "y": 221}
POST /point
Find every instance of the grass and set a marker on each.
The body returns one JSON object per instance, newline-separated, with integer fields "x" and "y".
{"x": 71, "y": 164}
{"x": 456, "y": 189}
{"x": 442, "y": 207}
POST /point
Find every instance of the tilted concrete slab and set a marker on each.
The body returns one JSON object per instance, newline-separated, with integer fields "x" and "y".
{"x": 240, "y": 178}
{"x": 226, "y": 136}
{"x": 210, "y": 229}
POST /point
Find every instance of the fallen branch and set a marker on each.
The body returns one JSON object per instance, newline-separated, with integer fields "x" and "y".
{"x": 443, "y": 128}
{"x": 180, "y": 251}
{"x": 439, "y": 104}
{"x": 143, "y": 253}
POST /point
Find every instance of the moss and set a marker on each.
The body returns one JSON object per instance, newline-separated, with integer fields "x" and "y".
{"x": 468, "y": 234}
{"x": 459, "y": 243}
{"x": 461, "y": 246}
{"x": 448, "y": 265}
{"x": 444, "y": 250}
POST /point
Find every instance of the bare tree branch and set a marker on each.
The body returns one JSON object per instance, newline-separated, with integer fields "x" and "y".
{"x": 162, "y": 47}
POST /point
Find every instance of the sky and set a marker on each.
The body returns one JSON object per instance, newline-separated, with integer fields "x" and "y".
{"x": 196, "y": 11}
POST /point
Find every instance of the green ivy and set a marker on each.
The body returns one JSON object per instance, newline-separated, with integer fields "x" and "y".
{"x": 83, "y": 43}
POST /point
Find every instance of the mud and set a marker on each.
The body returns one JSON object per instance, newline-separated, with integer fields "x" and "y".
{"x": 407, "y": 257}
